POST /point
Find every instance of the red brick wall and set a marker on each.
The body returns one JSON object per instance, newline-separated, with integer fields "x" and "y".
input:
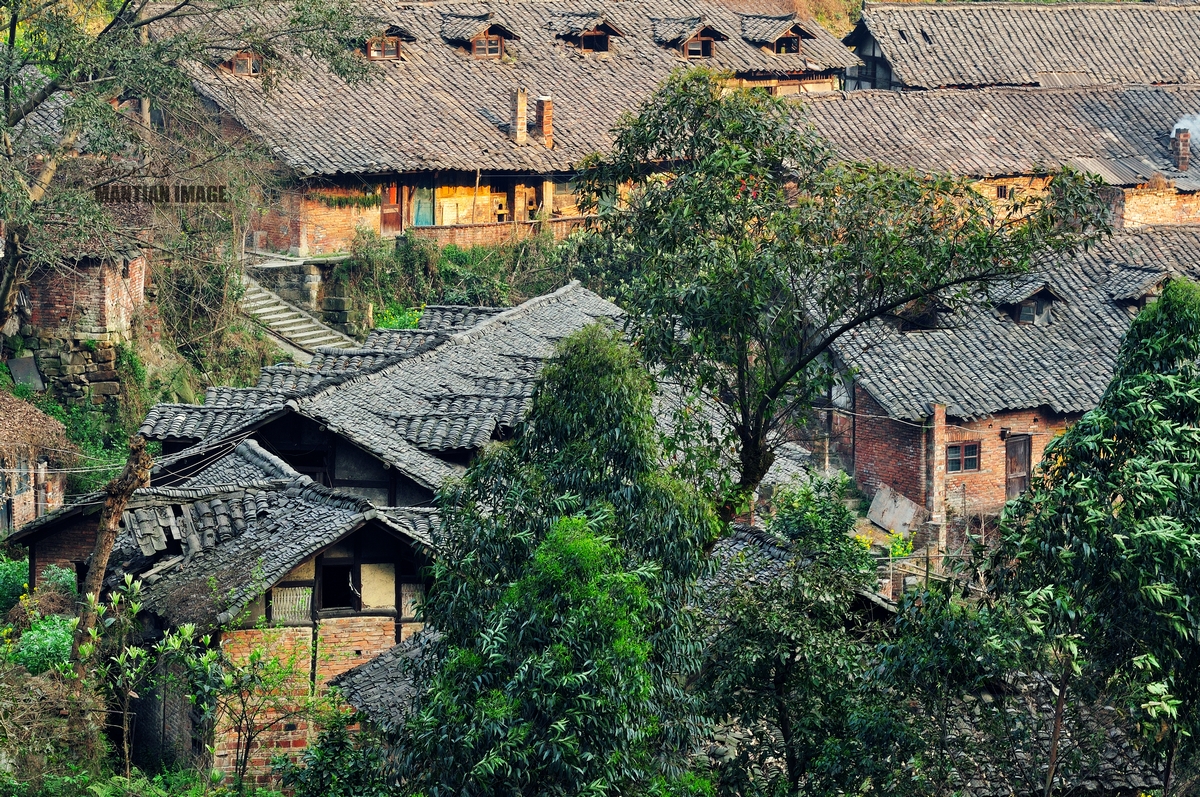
{"x": 346, "y": 642}
{"x": 984, "y": 491}
{"x": 887, "y": 451}
{"x": 72, "y": 543}
{"x": 285, "y": 735}
{"x": 1164, "y": 205}
{"x": 94, "y": 299}
{"x": 25, "y": 504}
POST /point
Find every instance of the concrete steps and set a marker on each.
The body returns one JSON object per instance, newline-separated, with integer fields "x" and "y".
{"x": 288, "y": 323}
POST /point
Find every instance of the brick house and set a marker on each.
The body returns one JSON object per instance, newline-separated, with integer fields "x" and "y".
{"x": 966, "y": 45}
{"x": 243, "y": 539}
{"x": 1005, "y": 138}
{"x": 955, "y": 414}
{"x": 34, "y": 452}
{"x": 476, "y": 120}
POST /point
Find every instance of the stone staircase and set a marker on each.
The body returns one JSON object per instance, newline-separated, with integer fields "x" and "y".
{"x": 298, "y": 332}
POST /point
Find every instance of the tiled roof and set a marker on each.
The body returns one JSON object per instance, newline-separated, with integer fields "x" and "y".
{"x": 1036, "y": 44}
{"x": 1121, "y": 133}
{"x": 985, "y": 363}
{"x": 385, "y": 687}
{"x": 438, "y": 108}
{"x": 471, "y": 371}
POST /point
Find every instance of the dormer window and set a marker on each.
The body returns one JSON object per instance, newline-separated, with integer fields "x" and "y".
{"x": 1034, "y": 311}
{"x": 787, "y": 45}
{"x": 594, "y": 42}
{"x": 247, "y": 64}
{"x": 698, "y": 47}
{"x": 487, "y": 46}
{"x": 383, "y": 48}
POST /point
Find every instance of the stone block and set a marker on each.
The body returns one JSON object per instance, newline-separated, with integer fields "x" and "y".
{"x": 106, "y": 389}
{"x": 103, "y": 376}
{"x": 73, "y": 370}
{"x": 336, "y": 303}
{"x": 337, "y": 318}
{"x": 26, "y": 330}
{"x": 105, "y": 355}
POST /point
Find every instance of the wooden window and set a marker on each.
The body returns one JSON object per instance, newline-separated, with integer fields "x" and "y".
{"x": 1001, "y": 192}
{"x": 487, "y": 47}
{"x": 699, "y": 47}
{"x": 247, "y": 64}
{"x": 338, "y": 588}
{"x": 787, "y": 44}
{"x": 384, "y": 48}
{"x": 962, "y": 457}
{"x": 1027, "y": 313}
{"x": 594, "y": 42}
{"x": 411, "y": 596}
{"x": 291, "y": 604}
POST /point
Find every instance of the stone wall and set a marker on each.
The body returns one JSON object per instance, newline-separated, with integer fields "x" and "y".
{"x": 78, "y": 369}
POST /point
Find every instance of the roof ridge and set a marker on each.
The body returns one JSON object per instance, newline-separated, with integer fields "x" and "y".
{"x": 458, "y": 338}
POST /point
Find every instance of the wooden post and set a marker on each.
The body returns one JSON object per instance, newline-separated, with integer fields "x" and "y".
{"x": 118, "y": 492}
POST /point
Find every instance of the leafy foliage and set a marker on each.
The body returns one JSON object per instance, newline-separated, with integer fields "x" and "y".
{"x": 745, "y": 249}
{"x": 1107, "y": 537}
{"x": 14, "y": 577}
{"x": 45, "y": 645}
{"x": 340, "y": 764}
{"x": 566, "y": 562}
{"x": 787, "y": 655}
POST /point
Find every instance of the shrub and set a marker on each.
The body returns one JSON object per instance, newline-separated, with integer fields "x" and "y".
{"x": 340, "y": 764}
{"x": 14, "y": 574}
{"x": 45, "y": 645}
{"x": 59, "y": 579}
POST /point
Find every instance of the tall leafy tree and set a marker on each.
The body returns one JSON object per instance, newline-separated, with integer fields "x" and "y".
{"x": 743, "y": 248}
{"x": 566, "y": 562}
{"x": 1104, "y": 549}
{"x": 100, "y": 76}
{"x": 787, "y": 654}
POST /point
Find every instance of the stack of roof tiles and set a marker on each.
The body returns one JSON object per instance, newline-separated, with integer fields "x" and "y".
{"x": 1036, "y": 44}
{"x": 438, "y": 108}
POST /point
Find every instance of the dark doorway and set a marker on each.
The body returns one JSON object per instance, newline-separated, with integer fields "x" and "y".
{"x": 1017, "y": 457}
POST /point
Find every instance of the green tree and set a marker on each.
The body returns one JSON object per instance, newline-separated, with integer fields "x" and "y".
{"x": 98, "y": 75}
{"x": 743, "y": 249}
{"x": 566, "y": 561}
{"x": 787, "y": 654}
{"x": 1104, "y": 549}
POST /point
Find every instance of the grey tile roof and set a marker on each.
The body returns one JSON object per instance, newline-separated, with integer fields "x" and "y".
{"x": 385, "y": 687}
{"x": 1038, "y": 44}
{"x": 247, "y": 463}
{"x": 986, "y": 363}
{"x": 1122, "y": 133}
{"x": 415, "y": 393}
{"x": 438, "y": 108}
{"x": 442, "y": 316}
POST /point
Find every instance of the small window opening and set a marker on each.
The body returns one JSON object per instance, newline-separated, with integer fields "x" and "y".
{"x": 1001, "y": 192}
{"x": 337, "y": 587}
{"x": 962, "y": 457}
{"x": 926, "y": 37}
{"x": 1027, "y": 314}
{"x": 699, "y": 47}
{"x": 594, "y": 42}
{"x": 487, "y": 47}
{"x": 383, "y": 48}
{"x": 247, "y": 64}
{"x": 787, "y": 44}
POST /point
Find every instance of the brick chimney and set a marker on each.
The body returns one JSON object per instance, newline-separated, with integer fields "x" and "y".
{"x": 1181, "y": 148}
{"x": 545, "y": 120}
{"x": 519, "y": 118}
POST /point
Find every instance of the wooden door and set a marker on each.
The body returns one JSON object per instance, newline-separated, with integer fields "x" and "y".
{"x": 391, "y": 216}
{"x": 1017, "y": 451}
